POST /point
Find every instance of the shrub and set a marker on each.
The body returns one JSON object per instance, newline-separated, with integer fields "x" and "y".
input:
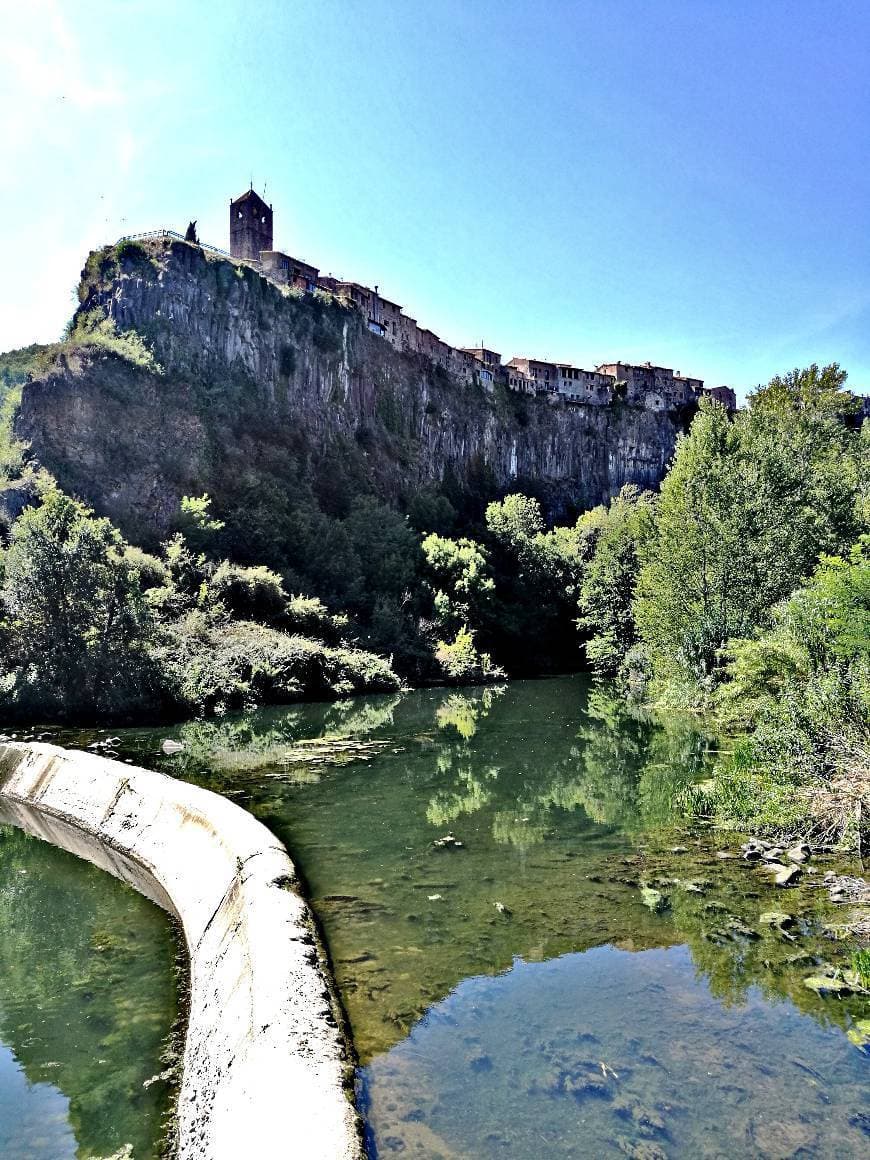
{"x": 462, "y": 664}
{"x": 309, "y": 616}
{"x": 195, "y": 521}
{"x": 150, "y": 571}
{"x": 249, "y": 593}
{"x": 132, "y": 255}
{"x": 77, "y": 625}
{"x": 215, "y": 666}
{"x": 93, "y": 329}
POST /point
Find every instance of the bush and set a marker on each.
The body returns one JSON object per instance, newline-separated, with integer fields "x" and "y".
{"x": 462, "y": 664}
{"x": 309, "y": 616}
{"x": 93, "y": 329}
{"x": 76, "y": 623}
{"x": 249, "y": 593}
{"x": 216, "y": 666}
{"x": 150, "y": 571}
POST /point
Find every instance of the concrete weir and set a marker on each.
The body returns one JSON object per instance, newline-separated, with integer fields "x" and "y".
{"x": 265, "y": 1065}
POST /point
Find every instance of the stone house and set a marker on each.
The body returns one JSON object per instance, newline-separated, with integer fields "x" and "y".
{"x": 723, "y": 395}
{"x": 652, "y": 387}
{"x": 542, "y": 374}
{"x": 656, "y": 388}
{"x": 289, "y": 271}
{"x": 579, "y": 386}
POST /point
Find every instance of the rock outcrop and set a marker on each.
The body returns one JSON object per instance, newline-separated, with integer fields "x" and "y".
{"x": 258, "y": 388}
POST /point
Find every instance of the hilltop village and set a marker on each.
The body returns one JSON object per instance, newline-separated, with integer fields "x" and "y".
{"x": 652, "y": 387}
{"x": 657, "y": 388}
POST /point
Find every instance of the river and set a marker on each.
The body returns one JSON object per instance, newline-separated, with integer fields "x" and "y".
{"x": 537, "y": 957}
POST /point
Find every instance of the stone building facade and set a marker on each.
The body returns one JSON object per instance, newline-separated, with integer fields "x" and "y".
{"x": 723, "y": 395}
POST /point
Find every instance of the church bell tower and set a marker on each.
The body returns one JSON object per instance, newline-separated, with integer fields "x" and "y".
{"x": 250, "y": 226}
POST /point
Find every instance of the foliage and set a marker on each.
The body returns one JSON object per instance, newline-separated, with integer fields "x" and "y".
{"x": 17, "y": 366}
{"x": 12, "y": 449}
{"x": 536, "y": 575}
{"x": 803, "y": 687}
{"x": 813, "y": 392}
{"x": 76, "y": 623}
{"x": 516, "y": 520}
{"x": 151, "y": 571}
{"x": 460, "y": 580}
{"x": 213, "y": 665}
{"x": 745, "y": 510}
{"x": 249, "y": 593}
{"x": 96, "y": 626}
{"x": 613, "y": 539}
{"x": 429, "y": 511}
{"x": 93, "y": 330}
{"x": 462, "y": 664}
{"x": 309, "y": 616}
{"x": 196, "y": 523}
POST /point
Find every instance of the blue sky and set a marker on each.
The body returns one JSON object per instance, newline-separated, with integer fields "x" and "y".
{"x": 685, "y": 182}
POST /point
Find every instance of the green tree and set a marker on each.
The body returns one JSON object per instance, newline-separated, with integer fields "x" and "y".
{"x": 618, "y": 534}
{"x": 196, "y": 523}
{"x": 745, "y": 511}
{"x": 814, "y": 392}
{"x": 515, "y": 521}
{"x": 76, "y": 620}
{"x": 460, "y": 581}
{"x": 533, "y": 624}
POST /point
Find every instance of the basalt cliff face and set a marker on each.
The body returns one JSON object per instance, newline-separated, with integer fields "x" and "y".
{"x": 258, "y": 391}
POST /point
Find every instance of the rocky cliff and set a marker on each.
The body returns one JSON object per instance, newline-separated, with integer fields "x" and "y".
{"x": 255, "y": 390}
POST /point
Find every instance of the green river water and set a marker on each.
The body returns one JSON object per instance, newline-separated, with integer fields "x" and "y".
{"x": 482, "y": 865}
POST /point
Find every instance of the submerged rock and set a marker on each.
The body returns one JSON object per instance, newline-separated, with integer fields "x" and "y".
{"x": 657, "y": 902}
{"x": 773, "y": 854}
{"x": 736, "y": 926}
{"x": 777, "y": 918}
{"x": 783, "y": 1139}
{"x": 828, "y": 984}
{"x": 648, "y": 1121}
{"x": 843, "y": 888}
{"x": 640, "y": 1149}
{"x": 860, "y": 1034}
{"x": 448, "y": 842}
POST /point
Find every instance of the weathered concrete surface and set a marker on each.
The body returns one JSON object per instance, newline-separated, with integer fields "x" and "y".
{"x": 265, "y": 1067}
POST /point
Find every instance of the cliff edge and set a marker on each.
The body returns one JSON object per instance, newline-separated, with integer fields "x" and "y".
{"x": 189, "y": 373}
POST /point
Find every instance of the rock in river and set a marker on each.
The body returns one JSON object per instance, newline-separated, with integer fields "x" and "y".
{"x": 785, "y": 875}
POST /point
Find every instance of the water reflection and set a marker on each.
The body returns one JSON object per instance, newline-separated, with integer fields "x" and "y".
{"x": 539, "y": 782}
{"x": 86, "y": 1002}
{"x": 608, "y": 1053}
{"x": 449, "y": 837}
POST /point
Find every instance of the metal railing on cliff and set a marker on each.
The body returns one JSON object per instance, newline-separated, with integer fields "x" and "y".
{"x": 180, "y": 238}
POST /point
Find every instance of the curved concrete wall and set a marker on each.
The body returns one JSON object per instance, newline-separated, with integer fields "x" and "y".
{"x": 266, "y": 1072}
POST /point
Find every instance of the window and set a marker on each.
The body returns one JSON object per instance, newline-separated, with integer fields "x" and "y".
{"x": 240, "y": 215}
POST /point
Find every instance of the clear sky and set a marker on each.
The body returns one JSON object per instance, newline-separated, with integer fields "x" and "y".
{"x": 684, "y": 181}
